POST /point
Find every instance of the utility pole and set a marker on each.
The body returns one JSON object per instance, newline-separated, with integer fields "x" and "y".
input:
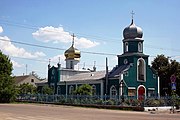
{"x": 26, "y": 69}
{"x": 106, "y": 76}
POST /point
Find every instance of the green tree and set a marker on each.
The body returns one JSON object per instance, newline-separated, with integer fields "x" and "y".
{"x": 167, "y": 67}
{"x": 47, "y": 90}
{"x": 27, "y": 88}
{"x": 7, "y": 87}
{"x": 84, "y": 89}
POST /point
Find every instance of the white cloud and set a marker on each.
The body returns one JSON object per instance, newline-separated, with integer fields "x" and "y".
{"x": 50, "y": 33}
{"x": 56, "y": 35}
{"x": 85, "y": 43}
{"x": 56, "y": 58}
{"x": 10, "y": 49}
{"x": 114, "y": 59}
{"x": 1, "y": 29}
{"x": 16, "y": 64}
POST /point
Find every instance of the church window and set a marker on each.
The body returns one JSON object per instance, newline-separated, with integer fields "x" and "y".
{"x": 113, "y": 92}
{"x": 131, "y": 91}
{"x": 126, "y": 73}
{"x": 32, "y": 80}
{"x": 71, "y": 90}
{"x": 141, "y": 70}
{"x": 140, "y": 47}
{"x": 151, "y": 92}
{"x": 58, "y": 90}
{"x": 71, "y": 64}
{"x": 126, "y": 47}
{"x": 93, "y": 90}
{"x": 154, "y": 76}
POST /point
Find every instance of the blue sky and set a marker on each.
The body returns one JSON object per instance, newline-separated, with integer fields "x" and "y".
{"x": 97, "y": 24}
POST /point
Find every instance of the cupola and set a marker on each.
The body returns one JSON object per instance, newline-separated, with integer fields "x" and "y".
{"x": 132, "y": 31}
{"x": 72, "y": 52}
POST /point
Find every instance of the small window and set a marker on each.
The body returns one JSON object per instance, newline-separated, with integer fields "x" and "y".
{"x": 140, "y": 47}
{"x": 151, "y": 93}
{"x": 71, "y": 64}
{"x": 93, "y": 90}
{"x": 126, "y": 47}
{"x": 113, "y": 92}
{"x": 154, "y": 76}
{"x": 58, "y": 90}
{"x": 132, "y": 92}
{"x": 126, "y": 73}
{"x": 71, "y": 90}
{"x": 32, "y": 80}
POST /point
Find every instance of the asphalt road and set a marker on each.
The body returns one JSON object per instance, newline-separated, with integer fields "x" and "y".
{"x": 55, "y": 112}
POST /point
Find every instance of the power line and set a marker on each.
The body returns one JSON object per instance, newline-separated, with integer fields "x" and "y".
{"x": 55, "y": 48}
{"x": 98, "y": 38}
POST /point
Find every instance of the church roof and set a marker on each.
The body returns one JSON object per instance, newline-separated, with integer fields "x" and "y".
{"x": 19, "y": 79}
{"x": 118, "y": 70}
{"x": 87, "y": 76}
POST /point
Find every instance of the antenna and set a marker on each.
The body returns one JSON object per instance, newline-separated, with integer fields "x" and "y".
{"x": 59, "y": 59}
{"x": 83, "y": 66}
{"x": 49, "y": 61}
{"x": 26, "y": 69}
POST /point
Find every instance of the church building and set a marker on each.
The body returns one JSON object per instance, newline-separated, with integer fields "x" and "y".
{"x": 132, "y": 76}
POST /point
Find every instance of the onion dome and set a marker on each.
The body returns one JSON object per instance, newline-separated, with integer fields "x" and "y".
{"x": 132, "y": 31}
{"x": 72, "y": 53}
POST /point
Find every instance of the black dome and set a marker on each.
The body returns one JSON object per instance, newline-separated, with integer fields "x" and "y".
{"x": 132, "y": 31}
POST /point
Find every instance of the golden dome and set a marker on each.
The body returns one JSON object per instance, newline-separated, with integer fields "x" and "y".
{"x": 72, "y": 53}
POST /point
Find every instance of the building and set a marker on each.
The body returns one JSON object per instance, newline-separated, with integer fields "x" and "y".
{"x": 132, "y": 77}
{"x": 31, "y": 79}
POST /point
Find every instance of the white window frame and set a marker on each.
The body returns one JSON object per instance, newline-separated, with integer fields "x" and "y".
{"x": 144, "y": 70}
{"x": 126, "y": 46}
{"x": 113, "y": 92}
{"x": 139, "y": 47}
{"x": 71, "y": 89}
{"x": 93, "y": 90}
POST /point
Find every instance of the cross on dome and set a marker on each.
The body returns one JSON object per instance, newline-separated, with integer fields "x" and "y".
{"x": 132, "y": 13}
{"x": 73, "y": 38}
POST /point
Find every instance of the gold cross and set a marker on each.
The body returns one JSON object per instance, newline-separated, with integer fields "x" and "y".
{"x": 73, "y": 38}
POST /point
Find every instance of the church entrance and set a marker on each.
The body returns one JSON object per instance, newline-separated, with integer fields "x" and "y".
{"x": 141, "y": 92}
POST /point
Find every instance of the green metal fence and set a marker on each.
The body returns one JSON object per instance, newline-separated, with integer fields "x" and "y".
{"x": 100, "y": 100}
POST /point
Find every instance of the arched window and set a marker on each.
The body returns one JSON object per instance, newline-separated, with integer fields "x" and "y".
{"x": 71, "y": 65}
{"x": 139, "y": 47}
{"x": 93, "y": 90}
{"x": 71, "y": 90}
{"x": 141, "y": 69}
{"x": 126, "y": 47}
{"x": 113, "y": 92}
{"x": 58, "y": 90}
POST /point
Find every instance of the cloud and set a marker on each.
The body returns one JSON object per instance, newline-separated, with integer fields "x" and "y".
{"x": 56, "y": 35}
{"x": 16, "y": 64}
{"x": 50, "y": 33}
{"x": 1, "y": 29}
{"x": 10, "y": 49}
{"x": 55, "y": 59}
{"x": 85, "y": 43}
